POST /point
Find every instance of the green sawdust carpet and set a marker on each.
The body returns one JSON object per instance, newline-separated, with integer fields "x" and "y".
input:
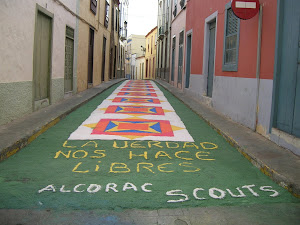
{"x": 55, "y": 173}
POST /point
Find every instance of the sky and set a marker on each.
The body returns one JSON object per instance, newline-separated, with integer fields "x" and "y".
{"x": 142, "y": 16}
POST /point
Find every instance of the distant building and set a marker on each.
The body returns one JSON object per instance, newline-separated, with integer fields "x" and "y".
{"x": 123, "y": 21}
{"x": 163, "y": 39}
{"x": 134, "y": 46}
{"x": 150, "y": 55}
{"x": 140, "y": 68}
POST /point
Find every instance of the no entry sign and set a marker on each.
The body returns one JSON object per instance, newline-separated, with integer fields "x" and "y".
{"x": 245, "y": 9}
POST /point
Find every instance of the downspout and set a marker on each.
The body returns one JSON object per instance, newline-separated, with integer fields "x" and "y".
{"x": 258, "y": 63}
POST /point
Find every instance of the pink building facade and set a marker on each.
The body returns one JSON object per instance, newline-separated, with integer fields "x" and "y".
{"x": 177, "y": 49}
{"x": 236, "y": 66}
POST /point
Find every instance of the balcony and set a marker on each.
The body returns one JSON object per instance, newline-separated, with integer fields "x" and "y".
{"x": 161, "y": 32}
{"x": 182, "y": 3}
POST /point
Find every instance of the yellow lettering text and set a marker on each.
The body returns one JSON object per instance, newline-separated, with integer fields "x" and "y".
{"x": 61, "y": 152}
{"x": 176, "y": 145}
{"x": 203, "y": 154}
{"x": 146, "y": 166}
{"x": 136, "y": 145}
{"x": 90, "y": 143}
{"x": 179, "y": 157}
{"x": 65, "y": 145}
{"x": 115, "y": 145}
{"x": 189, "y": 165}
{"x": 80, "y": 157}
{"x": 208, "y": 145}
{"x": 122, "y": 166}
{"x": 162, "y": 166}
{"x": 145, "y": 155}
{"x": 155, "y": 143}
{"x": 77, "y": 171}
{"x": 101, "y": 154}
{"x": 162, "y": 154}
{"x": 190, "y": 145}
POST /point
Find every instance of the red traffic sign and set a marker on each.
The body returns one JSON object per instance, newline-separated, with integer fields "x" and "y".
{"x": 245, "y": 9}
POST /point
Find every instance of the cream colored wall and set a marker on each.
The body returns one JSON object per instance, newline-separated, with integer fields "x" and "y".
{"x": 138, "y": 64}
{"x": 136, "y": 43}
{"x": 17, "y": 37}
{"x": 82, "y": 62}
{"x": 17, "y": 22}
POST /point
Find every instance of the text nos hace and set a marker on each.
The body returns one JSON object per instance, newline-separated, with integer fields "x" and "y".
{"x": 216, "y": 193}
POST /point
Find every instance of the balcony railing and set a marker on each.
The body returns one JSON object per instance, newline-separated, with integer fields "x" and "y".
{"x": 161, "y": 32}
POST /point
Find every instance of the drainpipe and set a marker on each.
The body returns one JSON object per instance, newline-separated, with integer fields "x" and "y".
{"x": 258, "y": 63}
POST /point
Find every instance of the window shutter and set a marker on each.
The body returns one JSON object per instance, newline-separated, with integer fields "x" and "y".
{"x": 231, "y": 40}
{"x": 94, "y": 6}
{"x": 181, "y": 38}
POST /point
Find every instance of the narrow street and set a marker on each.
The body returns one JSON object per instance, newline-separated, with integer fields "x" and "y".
{"x": 135, "y": 154}
{"x": 150, "y": 112}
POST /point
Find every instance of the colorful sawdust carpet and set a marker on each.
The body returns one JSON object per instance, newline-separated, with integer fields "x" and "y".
{"x": 135, "y": 110}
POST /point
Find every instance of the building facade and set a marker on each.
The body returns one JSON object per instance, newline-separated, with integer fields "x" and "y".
{"x": 134, "y": 46}
{"x": 247, "y": 69}
{"x": 38, "y": 55}
{"x": 61, "y": 47}
{"x": 177, "y": 50}
{"x": 98, "y": 37}
{"x": 163, "y": 41}
{"x": 123, "y": 14}
{"x": 140, "y": 68}
{"x": 150, "y": 53}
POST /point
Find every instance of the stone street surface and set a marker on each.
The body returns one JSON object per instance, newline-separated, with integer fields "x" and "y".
{"x": 135, "y": 154}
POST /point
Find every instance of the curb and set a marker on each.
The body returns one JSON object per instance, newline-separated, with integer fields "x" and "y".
{"x": 16, "y": 145}
{"x": 278, "y": 178}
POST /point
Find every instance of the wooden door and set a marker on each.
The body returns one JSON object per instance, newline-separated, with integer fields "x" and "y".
{"x": 42, "y": 57}
{"x": 91, "y": 57}
{"x": 173, "y": 58}
{"x": 69, "y": 57}
{"x": 287, "y": 102}
{"x": 188, "y": 61}
{"x": 103, "y": 59}
{"x": 211, "y": 58}
{"x": 180, "y": 58}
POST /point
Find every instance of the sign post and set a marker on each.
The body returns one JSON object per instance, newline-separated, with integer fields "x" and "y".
{"x": 245, "y": 9}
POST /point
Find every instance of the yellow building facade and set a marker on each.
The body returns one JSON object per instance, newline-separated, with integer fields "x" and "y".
{"x": 98, "y": 39}
{"x": 150, "y": 55}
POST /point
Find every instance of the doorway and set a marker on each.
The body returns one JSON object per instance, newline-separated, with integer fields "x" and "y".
{"x": 69, "y": 57}
{"x": 188, "y": 60}
{"x": 42, "y": 59}
{"x": 287, "y": 82}
{"x": 211, "y": 58}
{"x": 91, "y": 58}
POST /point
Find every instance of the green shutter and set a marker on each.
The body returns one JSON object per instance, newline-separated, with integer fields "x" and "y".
{"x": 231, "y": 40}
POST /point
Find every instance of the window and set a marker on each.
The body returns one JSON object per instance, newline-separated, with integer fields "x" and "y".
{"x": 94, "y": 6}
{"x": 117, "y": 18}
{"x": 175, "y": 8}
{"x": 231, "y": 40}
{"x": 106, "y": 13}
{"x": 151, "y": 44}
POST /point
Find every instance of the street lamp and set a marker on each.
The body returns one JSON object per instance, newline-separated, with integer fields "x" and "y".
{"x": 143, "y": 49}
{"x": 125, "y": 27}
